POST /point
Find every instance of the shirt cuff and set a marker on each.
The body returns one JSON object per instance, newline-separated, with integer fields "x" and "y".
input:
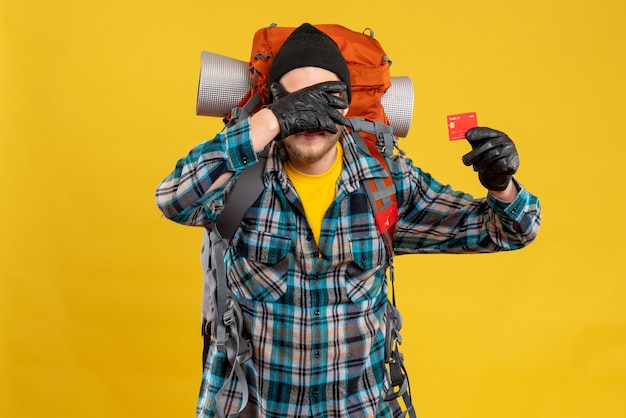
{"x": 513, "y": 210}
{"x": 239, "y": 151}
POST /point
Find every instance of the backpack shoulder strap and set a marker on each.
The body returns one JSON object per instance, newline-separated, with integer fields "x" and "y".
{"x": 381, "y": 194}
{"x": 246, "y": 190}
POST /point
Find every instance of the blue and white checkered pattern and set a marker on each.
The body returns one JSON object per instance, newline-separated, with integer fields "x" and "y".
{"x": 315, "y": 311}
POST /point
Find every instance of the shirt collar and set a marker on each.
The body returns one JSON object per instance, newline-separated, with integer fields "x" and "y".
{"x": 358, "y": 165}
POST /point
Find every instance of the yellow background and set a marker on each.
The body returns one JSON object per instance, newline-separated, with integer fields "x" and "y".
{"x": 100, "y": 295}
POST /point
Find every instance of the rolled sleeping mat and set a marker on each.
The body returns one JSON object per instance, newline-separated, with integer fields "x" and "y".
{"x": 224, "y": 81}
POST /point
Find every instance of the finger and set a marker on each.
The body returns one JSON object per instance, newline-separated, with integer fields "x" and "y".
{"x": 505, "y": 165}
{"x": 500, "y": 160}
{"x": 336, "y": 102}
{"x": 486, "y": 159}
{"x": 468, "y": 159}
{"x": 331, "y": 86}
{"x": 492, "y": 162}
{"x": 331, "y": 128}
{"x": 473, "y": 156}
{"x": 482, "y": 132}
{"x": 277, "y": 90}
{"x": 337, "y": 117}
{"x": 326, "y": 123}
{"x": 491, "y": 155}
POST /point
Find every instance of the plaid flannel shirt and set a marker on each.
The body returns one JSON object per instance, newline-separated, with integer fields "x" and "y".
{"x": 315, "y": 311}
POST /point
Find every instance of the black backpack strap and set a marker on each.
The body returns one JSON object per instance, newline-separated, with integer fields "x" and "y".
{"x": 242, "y": 112}
{"x": 246, "y": 190}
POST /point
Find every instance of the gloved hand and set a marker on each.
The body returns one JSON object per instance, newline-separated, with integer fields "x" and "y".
{"x": 493, "y": 156}
{"x": 309, "y": 109}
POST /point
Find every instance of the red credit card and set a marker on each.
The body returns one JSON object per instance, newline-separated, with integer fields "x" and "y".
{"x": 459, "y": 124}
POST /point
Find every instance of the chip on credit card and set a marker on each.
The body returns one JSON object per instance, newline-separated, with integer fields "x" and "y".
{"x": 459, "y": 124}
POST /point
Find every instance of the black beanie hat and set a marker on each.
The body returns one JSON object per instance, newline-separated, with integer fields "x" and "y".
{"x": 307, "y": 46}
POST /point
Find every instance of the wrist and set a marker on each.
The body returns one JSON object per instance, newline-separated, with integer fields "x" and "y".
{"x": 264, "y": 127}
{"x": 508, "y": 194}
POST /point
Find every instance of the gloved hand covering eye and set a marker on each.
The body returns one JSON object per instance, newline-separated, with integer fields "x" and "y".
{"x": 493, "y": 156}
{"x": 309, "y": 109}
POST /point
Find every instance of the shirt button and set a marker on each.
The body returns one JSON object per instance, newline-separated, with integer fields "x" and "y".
{"x": 317, "y": 312}
{"x": 317, "y": 354}
{"x": 309, "y": 236}
{"x": 244, "y": 160}
{"x": 315, "y": 394}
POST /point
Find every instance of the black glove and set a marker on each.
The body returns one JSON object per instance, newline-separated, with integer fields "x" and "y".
{"x": 493, "y": 156}
{"x": 309, "y": 109}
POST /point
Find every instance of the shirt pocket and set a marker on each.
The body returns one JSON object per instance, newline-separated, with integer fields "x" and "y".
{"x": 260, "y": 263}
{"x": 363, "y": 278}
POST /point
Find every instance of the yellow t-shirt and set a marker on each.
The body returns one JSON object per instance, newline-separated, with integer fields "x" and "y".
{"x": 316, "y": 192}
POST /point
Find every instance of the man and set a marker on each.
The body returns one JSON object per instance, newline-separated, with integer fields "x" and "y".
{"x": 308, "y": 264}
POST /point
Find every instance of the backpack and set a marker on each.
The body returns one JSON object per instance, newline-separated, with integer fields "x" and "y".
{"x": 370, "y": 126}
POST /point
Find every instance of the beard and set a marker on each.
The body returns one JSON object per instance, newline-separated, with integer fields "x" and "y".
{"x": 309, "y": 147}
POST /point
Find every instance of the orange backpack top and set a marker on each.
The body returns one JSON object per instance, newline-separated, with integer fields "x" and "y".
{"x": 369, "y": 78}
{"x": 367, "y": 62}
